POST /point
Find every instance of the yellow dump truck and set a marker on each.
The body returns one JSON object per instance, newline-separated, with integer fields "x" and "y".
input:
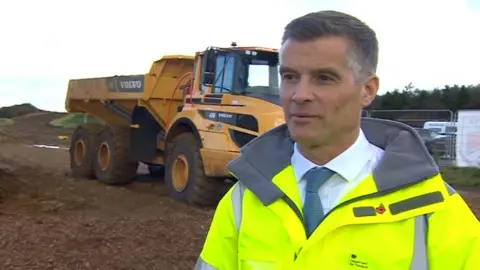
{"x": 190, "y": 115}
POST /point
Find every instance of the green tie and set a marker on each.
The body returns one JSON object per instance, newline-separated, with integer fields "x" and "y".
{"x": 312, "y": 208}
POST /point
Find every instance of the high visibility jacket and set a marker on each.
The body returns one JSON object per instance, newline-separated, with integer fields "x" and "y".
{"x": 401, "y": 217}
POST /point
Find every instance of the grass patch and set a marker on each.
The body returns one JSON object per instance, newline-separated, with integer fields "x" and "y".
{"x": 5, "y": 122}
{"x": 73, "y": 120}
{"x": 461, "y": 176}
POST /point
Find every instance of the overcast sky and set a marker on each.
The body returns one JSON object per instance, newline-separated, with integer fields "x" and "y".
{"x": 45, "y": 43}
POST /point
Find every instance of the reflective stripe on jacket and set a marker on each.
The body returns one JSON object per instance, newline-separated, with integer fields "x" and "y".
{"x": 401, "y": 217}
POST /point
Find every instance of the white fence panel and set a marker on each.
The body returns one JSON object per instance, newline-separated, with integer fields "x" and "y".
{"x": 468, "y": 139}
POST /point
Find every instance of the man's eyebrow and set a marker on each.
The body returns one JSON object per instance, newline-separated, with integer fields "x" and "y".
{"x": 284, "y": 69}
{"x": 327, "y": 70}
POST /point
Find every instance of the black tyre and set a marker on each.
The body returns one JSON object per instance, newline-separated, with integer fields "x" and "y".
{"x": 184, "y": 176}
{"x": 82, "y": 150}
{"x": 112, "y": 163}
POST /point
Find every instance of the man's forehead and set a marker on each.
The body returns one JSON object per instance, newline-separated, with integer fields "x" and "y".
{"x": 313, "y": 55}
{"x": 334, "y": 43}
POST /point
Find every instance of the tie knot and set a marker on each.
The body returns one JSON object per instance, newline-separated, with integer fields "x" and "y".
{"x": 316, "y": 177}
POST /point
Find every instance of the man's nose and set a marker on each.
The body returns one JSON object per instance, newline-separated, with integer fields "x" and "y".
{"x": 303, "y": 92}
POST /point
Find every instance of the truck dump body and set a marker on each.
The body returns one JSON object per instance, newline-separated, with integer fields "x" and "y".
{"x": 132, "y": 83}
{"x": 111, "y": 99}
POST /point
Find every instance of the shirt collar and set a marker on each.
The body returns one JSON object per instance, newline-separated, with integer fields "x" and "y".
{"x": 348, "y": 164}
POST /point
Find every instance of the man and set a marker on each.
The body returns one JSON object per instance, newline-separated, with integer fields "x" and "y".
{"x": 330, "y": 190}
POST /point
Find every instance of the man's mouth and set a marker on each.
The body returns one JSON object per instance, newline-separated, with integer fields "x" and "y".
{"x": 302, "y": 115}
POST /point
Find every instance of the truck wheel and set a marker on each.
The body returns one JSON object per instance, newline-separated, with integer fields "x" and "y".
{"x": 82, "y": 148}
{"x": 184, "y": 175}
{"x": 112, "y": 163}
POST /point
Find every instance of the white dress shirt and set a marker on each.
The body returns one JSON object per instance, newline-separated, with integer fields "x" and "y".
{"x": 350, "y": 168}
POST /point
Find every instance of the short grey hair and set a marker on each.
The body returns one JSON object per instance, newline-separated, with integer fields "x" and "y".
{"x": 363, "y": 56}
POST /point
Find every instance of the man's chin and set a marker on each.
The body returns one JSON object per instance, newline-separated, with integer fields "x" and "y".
{"x": 301, "y": 136}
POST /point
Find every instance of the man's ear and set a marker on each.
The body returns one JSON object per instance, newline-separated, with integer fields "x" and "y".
{"x": 369, "y": 90}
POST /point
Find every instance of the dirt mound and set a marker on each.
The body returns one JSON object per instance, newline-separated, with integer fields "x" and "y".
{"x": 41, "y": 117}
{"x": 18, "y": 110}
{"x": 4, "y": 176}
{"x": 10, "y": 185}
{"x": 35, "y": 128}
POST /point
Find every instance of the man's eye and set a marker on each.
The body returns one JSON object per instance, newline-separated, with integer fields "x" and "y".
{"x": 324, "y": 78}
{"x": 288, "y": 77}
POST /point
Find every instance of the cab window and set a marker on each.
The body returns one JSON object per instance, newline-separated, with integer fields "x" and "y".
{"x": 224, "y": 74}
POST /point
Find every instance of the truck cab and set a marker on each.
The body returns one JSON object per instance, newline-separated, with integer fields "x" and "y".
{"x": 234, "y": 97}
{"x": 245, "y": 71}
{"x": 236, "y": 88}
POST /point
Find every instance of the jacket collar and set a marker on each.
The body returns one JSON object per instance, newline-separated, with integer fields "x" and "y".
{"x": 406, "y": 160}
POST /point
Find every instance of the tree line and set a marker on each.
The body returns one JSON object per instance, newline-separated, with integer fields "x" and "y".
{"x": 454, "y": 98}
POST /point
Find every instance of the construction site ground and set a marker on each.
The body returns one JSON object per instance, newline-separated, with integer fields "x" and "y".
{"x": 48, "y": 220}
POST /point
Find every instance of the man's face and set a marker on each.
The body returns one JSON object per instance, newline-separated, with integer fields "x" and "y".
{"x": 320, "y": 97}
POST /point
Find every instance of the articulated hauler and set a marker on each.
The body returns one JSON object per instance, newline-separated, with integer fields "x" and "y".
{"x": 187, "y": 117}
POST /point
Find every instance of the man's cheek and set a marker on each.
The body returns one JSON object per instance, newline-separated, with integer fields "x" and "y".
{"x": 285, "y": 99}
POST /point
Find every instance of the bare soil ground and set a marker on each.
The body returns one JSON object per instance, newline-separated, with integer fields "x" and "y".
{"x": 48, "y": 220}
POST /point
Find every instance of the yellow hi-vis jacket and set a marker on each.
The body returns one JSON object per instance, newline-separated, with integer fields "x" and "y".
{"x": 401, "y": 217}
